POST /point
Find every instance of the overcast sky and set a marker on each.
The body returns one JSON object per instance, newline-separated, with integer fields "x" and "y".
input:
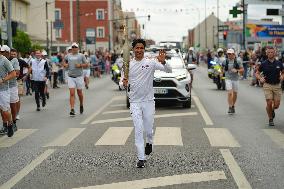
{"x": 170, "y": 19}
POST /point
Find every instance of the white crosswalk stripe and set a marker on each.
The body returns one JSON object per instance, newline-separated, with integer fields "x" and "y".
{"x": 17, "y": 137}
{"x": 221, "y": 137}
{"x": 67, "y": 137}
{"x": 276, "y": 136}
{"x": 162, "y": 136}
{"x": 168, "y": 136}
{"x": 115, "y": 136}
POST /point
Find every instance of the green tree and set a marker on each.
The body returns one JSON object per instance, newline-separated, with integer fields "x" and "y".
{"x": 22, "y": 42}
{"x": 36, "y": 46}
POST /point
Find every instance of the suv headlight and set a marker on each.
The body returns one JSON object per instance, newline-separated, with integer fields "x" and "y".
{"x": 181, "y": 77}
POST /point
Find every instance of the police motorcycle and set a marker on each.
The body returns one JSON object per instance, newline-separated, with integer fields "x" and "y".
{"x": 217, "y": 75}
{"x": 116, "y": 74}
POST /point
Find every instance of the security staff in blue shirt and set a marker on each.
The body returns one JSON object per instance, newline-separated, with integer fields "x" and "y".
{"x": 271, "y": 73}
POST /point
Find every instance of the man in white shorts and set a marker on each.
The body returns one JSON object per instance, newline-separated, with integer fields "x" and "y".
{"x": 6, "y": 73}
{"x": 87, "y": 72}
{"x": 232, "y": 67}
{"x": 13, "y": 85}
{"x": 75, "y": 62}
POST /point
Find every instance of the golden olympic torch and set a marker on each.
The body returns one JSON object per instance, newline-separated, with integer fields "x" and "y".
{"x": 126, "y": 51}
{"x": 126, "y": 59}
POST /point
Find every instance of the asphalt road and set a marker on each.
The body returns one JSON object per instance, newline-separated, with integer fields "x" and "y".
{"x": 201, "y": 147}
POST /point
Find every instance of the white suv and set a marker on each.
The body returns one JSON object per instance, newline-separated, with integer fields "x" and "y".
{"x": 174, "y": 86}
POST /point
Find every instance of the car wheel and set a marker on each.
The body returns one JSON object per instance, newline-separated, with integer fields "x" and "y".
{"x": 187, "y": 104}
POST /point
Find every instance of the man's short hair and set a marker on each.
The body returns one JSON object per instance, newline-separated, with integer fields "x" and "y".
{"x": 13, "y": 50}
{"x": 270, "y": 47}
{"x": 136, "y": 41}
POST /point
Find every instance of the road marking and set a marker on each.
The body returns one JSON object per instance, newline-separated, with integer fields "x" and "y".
{"x": 276, "y": 136}
{"x": 86, "y": 121}
{"x": 26, "y": 170}
{"x": 156, "y": 116}
{"x": 163, "y": 181}
{"x": 115, "y": 136}
{"x": 6, "y": 141}
{"x": 118, "y": 105}
{"x": 116, "y": 112}
{"x": 202, "y": 110}
{"x": 64, "y": 139}
{"x": 168, "y": 136}
{"x": 235, "y": 169}
{"x": 221, "y": 137}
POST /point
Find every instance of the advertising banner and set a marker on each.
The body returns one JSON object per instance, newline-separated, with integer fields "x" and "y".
{"x": 261, "y": 31}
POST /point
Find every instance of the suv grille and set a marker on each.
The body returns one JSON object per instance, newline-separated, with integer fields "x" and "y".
{"x": 164, "y": 83}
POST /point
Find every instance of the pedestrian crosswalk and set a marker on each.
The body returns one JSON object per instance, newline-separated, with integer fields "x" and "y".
{"x": 163, "y": 136}
{"x": 19, "y": 135}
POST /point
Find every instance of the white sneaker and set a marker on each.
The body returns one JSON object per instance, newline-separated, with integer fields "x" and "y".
{"x": 18, "y": 117}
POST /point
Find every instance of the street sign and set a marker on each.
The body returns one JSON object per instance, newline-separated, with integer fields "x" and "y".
{"x": 58, "y": 24}
{"x": 223, "y": 28}
{"x": 4, "y": 36}
{"x": 235, "y": 11}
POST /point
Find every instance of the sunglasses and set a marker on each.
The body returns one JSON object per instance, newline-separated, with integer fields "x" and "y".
{"x": 74, "y": 47}
{"x": 230, "y": 53}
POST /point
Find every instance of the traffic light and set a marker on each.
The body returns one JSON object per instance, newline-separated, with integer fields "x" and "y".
{"x": 225, "y": 33}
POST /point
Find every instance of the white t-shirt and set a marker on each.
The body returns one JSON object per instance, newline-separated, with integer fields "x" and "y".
{"x": 141, "y": 76}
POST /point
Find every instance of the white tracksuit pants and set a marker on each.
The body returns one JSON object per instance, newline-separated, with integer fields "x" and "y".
{"x": 143, "y": 119}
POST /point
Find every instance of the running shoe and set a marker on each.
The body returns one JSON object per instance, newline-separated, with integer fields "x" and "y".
{"x": 38, "y": 109}
{"x": 271, "y": 123}
{"x": 230, "y": 111}
{"x": 81, "y": 109}
{"x": 140, "y": 164}
{"x": 72, "y": 113}
{"x": 233, "y": 110}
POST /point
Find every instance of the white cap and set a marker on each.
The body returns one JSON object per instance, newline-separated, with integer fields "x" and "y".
{"x": 5, "y": 48}
{"x": 69, "y": 48}
{"x": 75, "y": 44}
{"x": 220, "y": 50}
{"x": 44, "y": 53}
{"x": 191, "y": 49}
{"x": 232, "y": 51}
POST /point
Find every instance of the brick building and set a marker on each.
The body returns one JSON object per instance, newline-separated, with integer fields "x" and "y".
{"x": 94, "y": 24}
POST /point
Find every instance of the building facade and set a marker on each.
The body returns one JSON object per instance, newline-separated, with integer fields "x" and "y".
{"x": 205, "y": 34}
{"x": 94, "y": 24}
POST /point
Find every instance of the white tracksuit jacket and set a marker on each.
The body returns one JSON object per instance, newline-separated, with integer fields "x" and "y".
{"x": 141, "y": 98}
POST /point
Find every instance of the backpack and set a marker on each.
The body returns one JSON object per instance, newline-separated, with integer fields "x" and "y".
{"x": 236, "y": 65}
